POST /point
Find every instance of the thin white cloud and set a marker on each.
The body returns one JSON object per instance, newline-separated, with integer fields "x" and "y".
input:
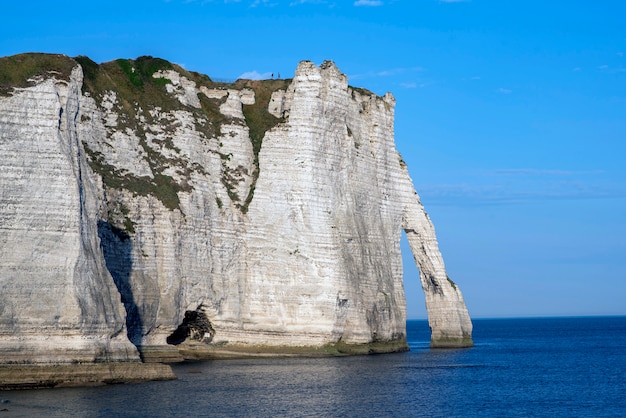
{"x": 414, "y": 85}
{"x": 203, "y": 2}
{"x": 611, "y": 70}
{"x": 397, "y": 71}
{"x": 523, "y": 185}
{"x": 267, "y": 3}
{"x": 504, "y": 91}
{"x": 473, "y": 195}
{"x": 297, "y": 2}
{"x": 368, "y": 3}
{"x": 386, "y": 73}
{"x": 542, "y": 172}
{"x": 255, "y": 75}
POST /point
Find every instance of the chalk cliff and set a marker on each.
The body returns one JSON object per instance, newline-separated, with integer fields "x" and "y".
{"x": 148, "y": 212}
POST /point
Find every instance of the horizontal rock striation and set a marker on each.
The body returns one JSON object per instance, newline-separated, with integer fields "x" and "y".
{"x": 57, "y": 301}
{"x": 142, "y": 204}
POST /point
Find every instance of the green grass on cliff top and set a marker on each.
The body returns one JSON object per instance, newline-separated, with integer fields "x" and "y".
{"x": 16, "y": 70}
{"x": 138, "y": 92}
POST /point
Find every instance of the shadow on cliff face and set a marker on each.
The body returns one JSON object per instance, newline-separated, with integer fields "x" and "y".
{"x": 117, "y": 246}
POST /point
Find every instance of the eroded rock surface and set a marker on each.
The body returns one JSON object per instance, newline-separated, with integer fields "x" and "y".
{"x": 57, "y": 300}
{"x": 134, "y": 192}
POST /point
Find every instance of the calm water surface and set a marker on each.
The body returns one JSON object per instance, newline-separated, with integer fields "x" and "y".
{"x": 567, "y": 367}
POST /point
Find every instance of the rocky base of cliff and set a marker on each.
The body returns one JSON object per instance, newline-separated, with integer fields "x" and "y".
{"x": 464, "y": 342}
{"x": 193, "y": 351}
{"x": 34, "y": 376}
{"x": 160, "y": 354}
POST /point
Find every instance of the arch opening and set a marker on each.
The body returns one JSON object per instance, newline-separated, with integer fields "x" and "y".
{"x": 417, "y": 329}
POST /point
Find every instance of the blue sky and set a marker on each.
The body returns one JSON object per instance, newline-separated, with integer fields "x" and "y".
{"x": 510, "y": 114}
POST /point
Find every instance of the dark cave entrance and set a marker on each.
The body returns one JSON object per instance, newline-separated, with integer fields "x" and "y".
{"x": 195, "y": 326}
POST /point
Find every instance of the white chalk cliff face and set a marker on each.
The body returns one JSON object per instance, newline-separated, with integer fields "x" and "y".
{"x": 145, "y": 209}
{"x": 57, "y": 300}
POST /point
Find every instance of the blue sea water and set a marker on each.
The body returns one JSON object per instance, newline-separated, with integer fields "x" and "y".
{"x": 544, "y": 367}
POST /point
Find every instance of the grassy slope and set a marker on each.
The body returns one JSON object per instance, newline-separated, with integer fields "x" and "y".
{"x": 16, "y": 70}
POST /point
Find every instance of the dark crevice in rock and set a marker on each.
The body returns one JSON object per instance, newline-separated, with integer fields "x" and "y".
{"x": 433, "y": 285}
{"x": 117, "y": 248}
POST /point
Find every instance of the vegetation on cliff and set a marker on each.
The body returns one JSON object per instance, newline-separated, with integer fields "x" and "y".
{"x": 139, "y": 92}
{"x": 259, "y": 120}
{"x": 138, "y": 95}
{"x": 22, "y": 70}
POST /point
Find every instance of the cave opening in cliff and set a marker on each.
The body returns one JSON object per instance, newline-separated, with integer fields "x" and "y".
{"x": 195, "y": 326}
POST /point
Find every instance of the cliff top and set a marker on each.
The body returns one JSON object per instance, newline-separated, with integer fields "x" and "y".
{"x": 22, "y": 70}
{"x": 19, "y": 70}
{"x": 140, "y": 91}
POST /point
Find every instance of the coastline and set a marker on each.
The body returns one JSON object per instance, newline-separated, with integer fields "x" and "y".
{"x": 39, "y": 376}
{"x": 193, "y": 351}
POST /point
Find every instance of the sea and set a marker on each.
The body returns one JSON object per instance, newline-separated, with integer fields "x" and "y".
{"x": 531, "y": 367}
